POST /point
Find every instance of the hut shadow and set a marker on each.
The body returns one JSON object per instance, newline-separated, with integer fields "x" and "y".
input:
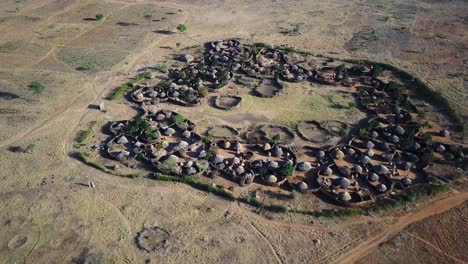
{"x": 8, "y": 96}
{"x": 93, "y": 106}
{"x": 164, "y": 32}
{"x": 126, "y": 24}
{"x": 16, "y": 149}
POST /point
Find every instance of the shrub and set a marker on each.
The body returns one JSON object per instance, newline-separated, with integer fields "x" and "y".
{"x": 287, "y": 170}
{"x": 376, "y": 71}
{"x": 36, "y": 87}
{"x": 203, "y": 91}
{"x": 179, "y": 119}
{"x": 362, "y": 133}
{"x": 31, "y": 148}
{"x": 161, "y": 68}
{"x": 352, "y": 105}
{"x": 295, "y": 195}
{"x": 119, "y": 92}
{"x": 276, "y": 138}
{"x": 182, "y": 27}
{"x": 99, "y": 17}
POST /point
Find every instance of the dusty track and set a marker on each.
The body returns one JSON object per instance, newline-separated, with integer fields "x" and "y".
{"x": 374, "y": 240}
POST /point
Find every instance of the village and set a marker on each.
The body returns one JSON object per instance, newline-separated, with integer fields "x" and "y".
{"x": 384, "y": 157}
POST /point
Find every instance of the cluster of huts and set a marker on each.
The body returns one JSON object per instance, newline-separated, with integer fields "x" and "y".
{"x": 384, "y": 157}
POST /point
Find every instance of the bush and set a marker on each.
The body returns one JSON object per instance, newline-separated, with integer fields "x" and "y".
{"x": 276, "y": 138}
{"x": 31, "y": 148}
{"x": 161, "y": 68}
{"x": 295, "y": 195}
{"x": 179, "y": 119}
{"x": 99, "y": 17}
{"x": 36, "y": 87}
{"x": 352, "y": 105}
{"x": 119, "y": 92}
{"x": 376, "y": 71}
{"x": 219, "y": 191}
{"x": 182, "y": 28}
{"x": 287, "y": 170}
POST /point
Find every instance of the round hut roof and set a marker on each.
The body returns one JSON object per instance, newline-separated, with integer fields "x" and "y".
{"x": 240, "y": 170}
{"x": 271, "y": 179}
{"x": 344, "y": 196}
{"x": 277, "y": 151}
{"x": 365, "y": 159}
{"x": 160, "y": 117}
{"x": 321, "y": 154}
{"x": 373, "y": 177}
{"x": 357, "y": 168}
{"x": 235, "y": 160}
{"x": 169, "y": 131}
{"x": 395, "y": 139}
{"x": 267, "y": 147}
{"x": 339, "y": 154}
{"x": 440, "y": 148}
{"x": 327, "y": 171}
{"x": 406, "y": 181}
{"x": 350, "y": 151}
{"x": 218, "y": 159}
{"x": 304, "y": 166}
{"x": 173, "y": 157}
{"x": 273, "y": 164}
{"x": 381, "y": 169}
{"x": 444, "y": 133}
{"x": 369, "y": 144}
{"x": 239, "y": 146}
{"x": 400, "y": 130}
{"x": 370, "y": 153}
{"x": 122, "y": 140}
{"x": 407, "y": 165}
{"x": 227, "y": 144}
{"x": 342, "y": 182}
{"x": 373, "y": 134}
{"x": 186, "y": 134}
{"x": 183, "y": 144}
{"x": 302, "y": 186}
{"x": 381, "y": 188}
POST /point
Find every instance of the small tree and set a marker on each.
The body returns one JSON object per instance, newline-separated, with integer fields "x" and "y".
{"x": 287, "y": 170}
{"x": 179, "y": 119}
{"x": 376, "y": 71}
{"x": 30, "y": 148}
{"x": 182, "y": 27}
{"x": 36, "y": 87}
{"x": 276, "y": 138}
{"x": 148, "y": 17}
{"x": 99, "y": 17}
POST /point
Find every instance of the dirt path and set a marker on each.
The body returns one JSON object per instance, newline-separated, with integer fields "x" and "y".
{"x": 365, "y": 247}
{"x": 272, "y": 248}
{"x": 434, "y": 247}
{"x": 78, "y": 99}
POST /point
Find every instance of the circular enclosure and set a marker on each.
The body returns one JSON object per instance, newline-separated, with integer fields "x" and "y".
{"x": 269, "y": 88}
{"x": 152, "y": 239}
{"x": 223, "y": 131}
{"x": 227, "y": 102}
{"x": 281, "y": 134}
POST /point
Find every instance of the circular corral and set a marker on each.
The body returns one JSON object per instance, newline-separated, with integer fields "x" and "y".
{"x": 286, "y": 134}
{"x": 223, "y": 131}
{"x": 268, "y": 88}
{"x": 227, "y": 102}
{"x": 312, "y": 131}
{"x": 152, "y": 239}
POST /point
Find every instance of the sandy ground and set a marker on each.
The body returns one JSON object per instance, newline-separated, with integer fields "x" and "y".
{"x": 47, "y": 215}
